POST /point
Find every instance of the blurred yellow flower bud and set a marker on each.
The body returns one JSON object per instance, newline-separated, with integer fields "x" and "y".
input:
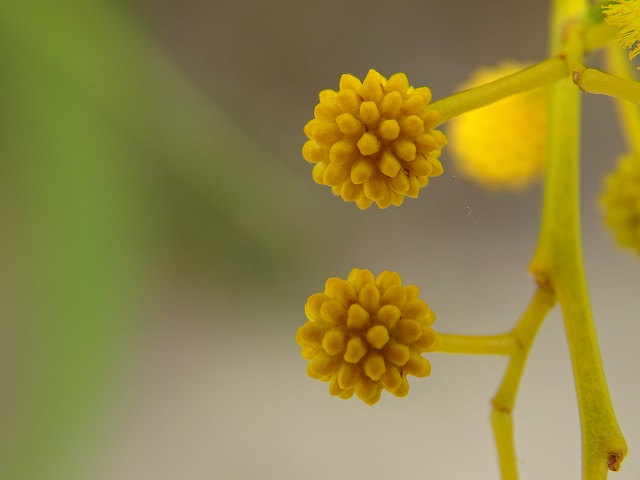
{"x": 501, "y": 146}
{"x": 620, "y": 202}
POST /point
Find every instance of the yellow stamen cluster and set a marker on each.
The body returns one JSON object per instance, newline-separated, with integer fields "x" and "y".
{"x": 625, "y": 15}
{"x": 366, "y": 334}
{"x": 501, "y": 146}
{"x": 620, "y": 202}
{"x": 373, "y": 141}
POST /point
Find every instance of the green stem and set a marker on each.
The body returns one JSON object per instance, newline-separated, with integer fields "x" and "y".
{"x": 629, "y": 113}
{"x": 597, "y": 35}
{"x": 503, "y": 344}
{"x": 591, "y": 80}
{"x": 558, "y": 263}
{"x": 539, "y": 75}
{"x": 503, "y": 402}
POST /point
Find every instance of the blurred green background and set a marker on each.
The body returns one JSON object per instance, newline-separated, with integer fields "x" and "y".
{"x": 160, "y": 232}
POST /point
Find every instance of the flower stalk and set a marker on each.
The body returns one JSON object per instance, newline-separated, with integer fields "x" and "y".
{"x": 558, "y": 264}
{"x": 591, "y": 80}
{"x": 503, "y": 402}
{"x": 539, "y": 75}
{"x": 502, "y": 344}
{"x": 629, "y": 113}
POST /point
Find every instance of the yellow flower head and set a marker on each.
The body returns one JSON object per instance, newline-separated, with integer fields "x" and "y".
{"x": 620, "y": 201}
{"x": 625, "y": 15}
{"x": 501, "y": 146}
{"x": 373, "y": 141}
{"x": 366, "y": 334}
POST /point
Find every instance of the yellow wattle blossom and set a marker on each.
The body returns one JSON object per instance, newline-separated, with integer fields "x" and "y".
{"x": 625, "y": 15}
{"x": 620, "y": 201}
{"x": 373, "y": 141}
{"x": 501, "y": 146}
{"x": 366, "y": 334}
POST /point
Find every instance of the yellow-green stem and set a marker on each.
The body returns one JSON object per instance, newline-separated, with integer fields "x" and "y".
{"x": 541, "y": 74}
{"x": 597, "y": 35}
{"x": 629, "y": 113}
{"x": 591, "y": 80}
{"x": 558, "y": 263}
{"x": 503, "y": 402}
{"x": 503, "y": 344}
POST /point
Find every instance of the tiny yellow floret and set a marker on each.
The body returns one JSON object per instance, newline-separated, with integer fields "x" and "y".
{"x": 378, "y": 336}
{"x": 373, "y": 141}
{"x": 366, "y": 334}
{"x": 625, "y": 15}
{"x": 620, "y": 202}
{"x": 501, "y": 146}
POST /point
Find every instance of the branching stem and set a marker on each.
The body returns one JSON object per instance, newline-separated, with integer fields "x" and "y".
{"x": 558, "y": 263}
{"x": 503, "y": 402}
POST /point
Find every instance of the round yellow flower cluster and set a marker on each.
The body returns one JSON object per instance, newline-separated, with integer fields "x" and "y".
{"x": 620, "y": 201}
{"x": 373, "y": 141}
{"x": 625, "y": 14}
{"x": 501, "y": 146}
{"x": 366, "y": 334}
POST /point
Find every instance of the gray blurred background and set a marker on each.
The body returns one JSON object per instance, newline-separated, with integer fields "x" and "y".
{"x": 161, "y": 233}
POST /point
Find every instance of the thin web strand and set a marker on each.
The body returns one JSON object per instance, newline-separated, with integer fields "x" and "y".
{"x": 479, "y": 233}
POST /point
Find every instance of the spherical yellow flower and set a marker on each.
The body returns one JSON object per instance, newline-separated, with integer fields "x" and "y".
{"x": 501, "y": 146}
{"x": 366, "y": 334}
{"x": 625, "y": 15}
{"x": 620, "y": 201}
{"x": 373, "y": 141}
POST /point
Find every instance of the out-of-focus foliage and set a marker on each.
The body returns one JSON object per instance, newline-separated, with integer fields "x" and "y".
{"x": 113, "y": 166}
